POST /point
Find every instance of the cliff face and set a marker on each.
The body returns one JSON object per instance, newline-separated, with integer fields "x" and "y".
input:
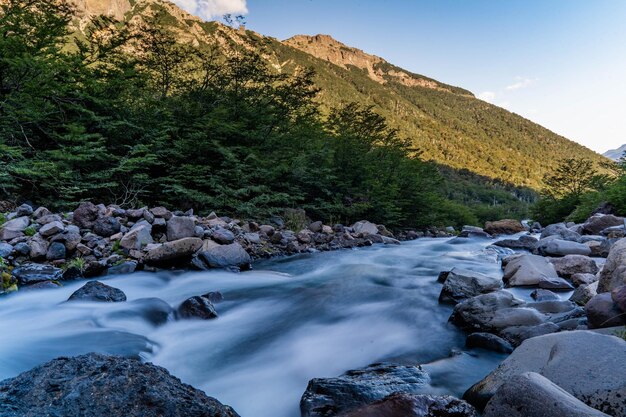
{"x": 114, "y": 8}
{"x": 327, "y": 48}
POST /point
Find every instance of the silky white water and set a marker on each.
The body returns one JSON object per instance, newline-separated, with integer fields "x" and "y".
{"x": 280, "y": 325}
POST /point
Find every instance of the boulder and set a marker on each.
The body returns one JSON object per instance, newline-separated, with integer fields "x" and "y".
{"x": 462, "y": 283}
{"x": 414, "y": 405}
{"x": 85, "y": 215}
{"x": 199, "y": 307}
{"x": 494, "y": 312}
{"x": 517, "y": 334}
{"x": 177, "y": 250}
{"x": 569, "y": 265}
{"x": 33, "y": 273}
{"x": 559, "y": 247}
{"x": 365, "y": 228}
{"x": 225, "y": 256}
{"x": 126, "y": 267}
{"x": 525, "y": 242}
{"x": 603, "y": 312}
{"x": 107, "y": 226}
{"x": 97, "y": 291}
{"x": 40, "y": 212}
{"x": 576, "y": 361}
{"x": 560, "y": 231}
{"x": 555, "y": 284}
{"x": 613, "y": 274}
{"x": 488, "y": 341}
{"x": 334, "y": 396}
{"x": 24, "y": 210}
{"x": 223, "y": 236}
{"x": 180, "y": 228}
{"x": 49, "y": 218}
{"x": 161, "y": 212}
{"x": 584, "y": 293}
{"x": 543, "y": 295}
{"x": 583, "y": 279}
{"x": 38, "y": 247}
{"x": 504, "y": 227}
{"x": 14, "y": 228}
{"x": 528, "y": 270}
{"x": 532, "y": 395}
{"x": 598, "y": 222}
{"x": 56, "y": 251}
{"x": 95, "y": 385}
{"x": 619, "y": 297}
{"x": 316, "y": 227}
{"x": 21, "y": 249}
{"x": 5, "y": 249}
{"x": 137, "y": 238}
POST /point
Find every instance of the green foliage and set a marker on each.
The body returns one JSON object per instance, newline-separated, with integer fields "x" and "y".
{"x": 3, "y": 218}
{"x": 76, "y": 263}
{"x": 30, "y": 231}
{"x": 206, "y": 128}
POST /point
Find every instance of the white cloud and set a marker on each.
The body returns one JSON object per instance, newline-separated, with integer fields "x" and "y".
{"x": 520, "y": 82}
{"x": 211, "y": 9}
{"x": 488, "y": 96}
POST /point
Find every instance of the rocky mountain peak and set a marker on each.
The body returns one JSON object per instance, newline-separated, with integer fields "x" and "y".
{"x": 114, "y": 8}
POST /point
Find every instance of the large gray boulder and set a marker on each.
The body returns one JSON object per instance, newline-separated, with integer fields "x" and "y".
{"x": 96, "y": 385}
{"x": 138, "y": 237}
{"x": 14, "y": 228}
{"x": 570, "y": 265}
{"x": 365, "y": 228}
{"x": 613, "y": 274}
{"x": 598, "y": 222}
{"x": 177, "y": 250}
{"x": 588, "y": 365}
{"x": 326, "y": 397}
{"x": 559, "y": 247}
{"x": 532, "y": 395}
{"x": 494, "y": 312}
{"x": 415, "y": 405}
{"x": 225, "y": 256}
{"x": 462, "y": 283}
{"x": 180, "y": 228}
{"x": 528, "y": 270}
{"x": 561, "y": 232}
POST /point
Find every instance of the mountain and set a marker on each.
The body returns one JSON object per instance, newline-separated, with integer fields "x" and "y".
{"x": 616, "y": 154}
{"x": 448, "y": 124}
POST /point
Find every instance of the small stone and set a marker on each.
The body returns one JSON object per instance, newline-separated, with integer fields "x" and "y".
{"x": 197, "y": 307}
{"x": 24, "y": 210}
{"x": 107, "y": 226}
{"x": 56, "y": 251}
{"x": 51, "y": 229}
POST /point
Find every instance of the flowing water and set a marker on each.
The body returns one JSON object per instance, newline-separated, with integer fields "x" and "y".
{"x": 285, "y": 322}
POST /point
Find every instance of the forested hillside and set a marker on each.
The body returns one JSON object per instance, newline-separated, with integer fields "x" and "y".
{"x": 164, "y": 108}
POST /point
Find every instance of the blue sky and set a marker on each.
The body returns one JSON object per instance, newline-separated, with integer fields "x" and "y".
{"x": 561, "y": 63}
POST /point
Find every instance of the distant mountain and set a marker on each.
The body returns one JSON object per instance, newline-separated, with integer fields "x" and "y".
{"x": 448, "y": 124}
{"x": 616, "y": 154}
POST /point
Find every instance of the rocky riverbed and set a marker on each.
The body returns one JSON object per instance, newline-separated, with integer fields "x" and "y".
{"x": 424, "y": 328}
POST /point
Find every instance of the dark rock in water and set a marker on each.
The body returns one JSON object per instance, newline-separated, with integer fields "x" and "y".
{"x": 85, "y": 215}
{"x": 532, "y": 395}
{"x": 556, "y": 284}
{"x": 603, "y": 312}
{"x": 461, "y": 284}
{"x": 326, "y": 397}
{"x": 96, "y": 385}
{"x": 153, "y": 310}
{"x": 525, "y": 242}
{"x": 198, "y": 307}
{"x": 127, "y": 267}
{"x": 43, "y": 285}
{"x": 56, "y": 251}
{"x": 107, "y": 226}
{"x": 33, "y": 273}
{"x": 97, "y": 291}
{"x": 413, "y": 405}
{"x": 488, "y": 341}
{"x": 214, "y": 296}
{"x": 72, "y": 273}
{"x": 543, "y": 295}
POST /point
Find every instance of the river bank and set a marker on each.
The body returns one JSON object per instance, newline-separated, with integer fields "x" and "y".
{"x": 306, "y": 328}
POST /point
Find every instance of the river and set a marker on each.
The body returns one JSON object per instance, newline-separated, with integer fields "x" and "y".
{"x": 285, "y": 322}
